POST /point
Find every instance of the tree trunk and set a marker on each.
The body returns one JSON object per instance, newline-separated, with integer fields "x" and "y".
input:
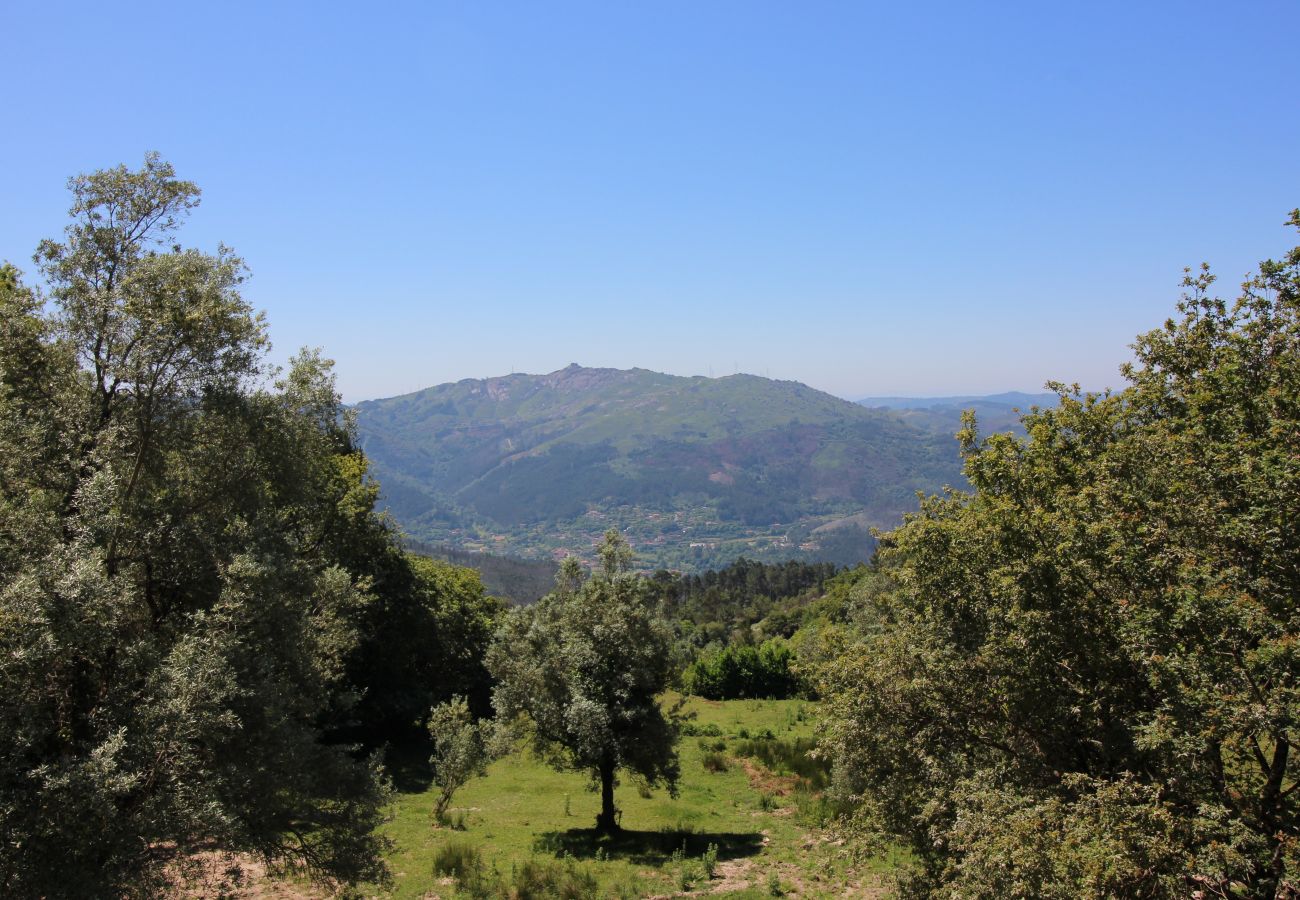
{"x": 607, "y": 821}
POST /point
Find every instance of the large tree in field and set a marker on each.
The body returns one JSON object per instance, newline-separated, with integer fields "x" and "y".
{"x": 1085, "y": 680}
{"x": 586, "y": 665}
{"x": 189, "y": 568}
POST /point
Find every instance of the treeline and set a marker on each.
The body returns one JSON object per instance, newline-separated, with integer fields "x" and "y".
{"x": 741, "y": 628}
{"x": 507, "y": 577}
{"x": 721, "y": 605}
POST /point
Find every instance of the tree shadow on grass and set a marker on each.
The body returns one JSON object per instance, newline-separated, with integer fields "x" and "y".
{"x": 647, "y": 847}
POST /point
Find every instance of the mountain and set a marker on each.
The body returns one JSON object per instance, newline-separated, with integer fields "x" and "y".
{"x": 942, "y": 415}
{"x": 696, "y": 470}
{"x": 1006, "y": 399}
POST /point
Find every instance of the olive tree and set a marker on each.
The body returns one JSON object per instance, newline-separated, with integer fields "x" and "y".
{"x": 586, "y": 665}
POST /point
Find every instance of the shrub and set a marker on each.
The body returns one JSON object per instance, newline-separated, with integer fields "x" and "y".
{"x": 686, "y": 872}
{"x": 709, "y": 861}
{"x": 715, "y": 762}
{"x": 745, "y": 671}
{"x": 458, "y": 859}
{"x": 545, "y": 879}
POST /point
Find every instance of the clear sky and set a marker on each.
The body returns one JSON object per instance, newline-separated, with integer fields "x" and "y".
{"x": 902, "y": 198}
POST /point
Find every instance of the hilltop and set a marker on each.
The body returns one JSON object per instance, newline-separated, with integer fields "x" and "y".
{"x": 696, "y": 470}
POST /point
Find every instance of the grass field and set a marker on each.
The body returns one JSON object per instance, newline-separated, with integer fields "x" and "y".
{"x": 527, "y": 824}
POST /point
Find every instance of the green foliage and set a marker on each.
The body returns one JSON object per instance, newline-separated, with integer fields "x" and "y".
{"x": 586, "y": 665}
{"x": 462, "y": 749}
{"x": 724, "y": 604}
{"x": 458, "y": 859}
{"x": 535, "y": 878}
{"x": 689, "y": 872}
{"x": 674, "y": 461}
{"x": 515, "y": 580}
{"x": 544, "y": 879}
{"x": 463, "y": 619}
{"x": 714, "y": 761}
{"x": 709, "y": 861}
{"x": 684, "y": 871}
{"x": 189, "y": 568}
{"x": 792, "y": 757}
{"x": 1084, "y": 679}
{"x": 745, "y": 671}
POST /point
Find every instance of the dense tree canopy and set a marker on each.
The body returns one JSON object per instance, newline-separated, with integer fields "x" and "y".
{"x": 585, "y": 665}
{"x": 747, "y": 670}
{"x": 195, "y": 591}
{"x": 1083, "y": 680}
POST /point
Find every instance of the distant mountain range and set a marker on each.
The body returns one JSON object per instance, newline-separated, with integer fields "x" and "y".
{"x": 1007, "y": 399}
{"x": 696, "y": 471}
{"x": 942, "y": 415}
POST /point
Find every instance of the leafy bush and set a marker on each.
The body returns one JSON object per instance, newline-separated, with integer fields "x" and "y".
{"x": 690, "y": 729}
{"x": 461, "y": 750}
{"x": 745, "y": 671}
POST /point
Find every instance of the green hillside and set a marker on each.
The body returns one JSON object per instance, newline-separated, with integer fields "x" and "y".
{"x": 697, "y": 470}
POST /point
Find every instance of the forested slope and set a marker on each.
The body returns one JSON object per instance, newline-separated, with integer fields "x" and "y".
{"x": 695, "y": 470}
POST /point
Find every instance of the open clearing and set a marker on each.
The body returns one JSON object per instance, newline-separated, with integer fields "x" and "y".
{"x": 524, "y": 810}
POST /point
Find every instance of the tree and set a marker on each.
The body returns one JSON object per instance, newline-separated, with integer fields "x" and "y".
{"x": 464, "y": 619}
{"x": 586, "y": 665}
{"x": 1084, "y": 679}
{"x": 462, "y": 749}
{"x": 745, "y": 670}
{"x": 181, "y": 595}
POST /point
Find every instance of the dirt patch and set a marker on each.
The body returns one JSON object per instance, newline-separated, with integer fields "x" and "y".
{"x": 766, "y": 781}
{"x": 214, "y": 873}
{"x": 733, "y": 875}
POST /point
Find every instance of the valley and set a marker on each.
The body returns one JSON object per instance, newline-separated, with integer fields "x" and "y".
{"x": 693, "y": 471}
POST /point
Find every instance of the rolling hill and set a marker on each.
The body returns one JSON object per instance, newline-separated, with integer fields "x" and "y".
{"x": 696, "y": 470}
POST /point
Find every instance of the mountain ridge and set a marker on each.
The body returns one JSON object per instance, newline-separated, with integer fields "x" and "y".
{"x": 693, "y": 468}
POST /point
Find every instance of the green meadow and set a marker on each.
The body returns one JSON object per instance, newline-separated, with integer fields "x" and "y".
{"x": 527, "y": 830}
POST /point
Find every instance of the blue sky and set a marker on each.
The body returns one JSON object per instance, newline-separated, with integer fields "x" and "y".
{"x": 870, "y": 198}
